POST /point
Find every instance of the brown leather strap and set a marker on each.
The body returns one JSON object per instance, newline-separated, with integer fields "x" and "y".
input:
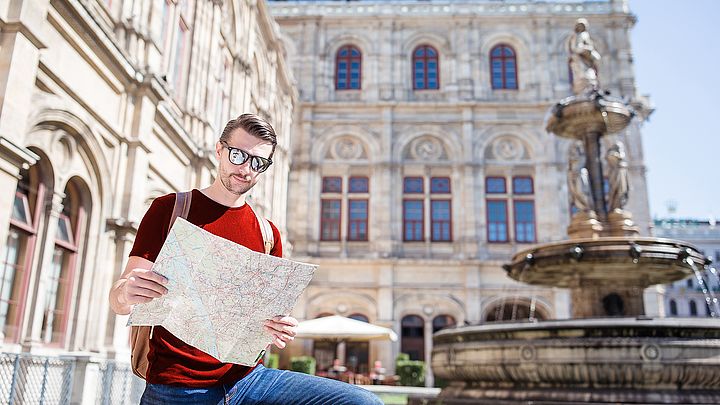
{"x": 182, "y": 207}
{"x": 267, "y": 232}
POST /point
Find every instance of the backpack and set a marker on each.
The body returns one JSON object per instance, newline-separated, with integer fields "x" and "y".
{"x": 140, "y": 335}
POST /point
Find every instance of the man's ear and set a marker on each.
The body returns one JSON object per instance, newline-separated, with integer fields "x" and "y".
{"x": 218, "y": 149}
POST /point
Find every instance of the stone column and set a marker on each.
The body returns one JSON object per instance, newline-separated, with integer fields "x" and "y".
{"x": 429, "y": 378}
{"x": 36, "y": 297}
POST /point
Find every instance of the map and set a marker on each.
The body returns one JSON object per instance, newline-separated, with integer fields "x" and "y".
{"x": 220, "y": 293}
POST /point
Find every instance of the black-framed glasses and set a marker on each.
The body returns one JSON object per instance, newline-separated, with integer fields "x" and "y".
{"x": 238, "y": 156}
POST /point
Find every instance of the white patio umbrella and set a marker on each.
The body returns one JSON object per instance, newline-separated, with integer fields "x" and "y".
{"x": 340, "y": 328}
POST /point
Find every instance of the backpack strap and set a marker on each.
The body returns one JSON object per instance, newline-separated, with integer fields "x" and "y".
{"x": 182, "y": 207}
{"x": 267, "y": 232}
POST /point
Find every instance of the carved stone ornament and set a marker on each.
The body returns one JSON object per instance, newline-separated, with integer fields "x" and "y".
{"x": 347, "y": 149}
{"x": 508, "y": 149}
{"x": 427, "y": 149}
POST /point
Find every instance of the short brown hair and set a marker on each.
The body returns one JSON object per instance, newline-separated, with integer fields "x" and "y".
{"x": 253, "y": 125}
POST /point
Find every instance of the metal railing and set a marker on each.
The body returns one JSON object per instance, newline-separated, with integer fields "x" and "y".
{"x": 118, "y": 385}
{"x": 30, "y": 379}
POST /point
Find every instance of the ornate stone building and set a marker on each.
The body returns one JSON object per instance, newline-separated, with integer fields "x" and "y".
{"x": 686, "y": 297}
{"x": 105, "y": 105}
{"x": 422, "y": 162}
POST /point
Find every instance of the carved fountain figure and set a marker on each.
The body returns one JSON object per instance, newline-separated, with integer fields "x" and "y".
{"x": 610, "y": 351}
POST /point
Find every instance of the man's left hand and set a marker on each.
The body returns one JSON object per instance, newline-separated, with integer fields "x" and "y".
{"x": 282, "y": 329}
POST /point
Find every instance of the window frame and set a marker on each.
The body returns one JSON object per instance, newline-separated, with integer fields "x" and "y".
{"x": 348, "y": 59}
{"x": 433, "y": 221}
{"x": 425, "y": 59}
{"x": 421, "y": 221}
{"x": 503, "y": 59}
{"x": 324, "y": 221}
{"x": 365, "y": 221}
{"x": 488, "y": 222}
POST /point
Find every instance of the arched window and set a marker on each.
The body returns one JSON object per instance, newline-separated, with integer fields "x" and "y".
{"x": 359, "y": 317}
{"x": 442, "y": 322}
{"x": 693, "y": 308}
{"x": 357, "y": 354}
{"x": 673, "y": 308}
{"x": 28, "y": 207}
{"x": 413, "y": 337}
{"x": 348, "y": 64}
{"x": 503, "y": 67}
{"x": 426, "y": 69}
{"x": 56, "y": 308}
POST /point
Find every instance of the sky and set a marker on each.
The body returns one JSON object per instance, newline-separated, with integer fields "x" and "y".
{"x": 676, "y": 49}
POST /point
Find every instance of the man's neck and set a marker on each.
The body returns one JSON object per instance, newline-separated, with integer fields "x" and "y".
{"x": 218, "y": 193}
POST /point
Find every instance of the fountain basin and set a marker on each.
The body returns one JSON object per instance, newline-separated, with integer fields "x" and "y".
{"x": 606, "y": 360}
{"x": 575, "y": 116}
{"x": 626, "y": 261}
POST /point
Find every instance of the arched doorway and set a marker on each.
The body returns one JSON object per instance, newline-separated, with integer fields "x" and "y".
{"x": 357, "y": 354}
{"x": 412, "y": 331}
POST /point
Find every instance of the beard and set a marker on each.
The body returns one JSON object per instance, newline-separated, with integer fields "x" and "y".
{"x": 237, "y": 185}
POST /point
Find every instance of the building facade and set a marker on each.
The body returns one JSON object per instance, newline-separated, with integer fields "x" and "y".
{"x": 686, "y": 297}
{"x": 422, "y": 163}
{"x": 105, "y": 105}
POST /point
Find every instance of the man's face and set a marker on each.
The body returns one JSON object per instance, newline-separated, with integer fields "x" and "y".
{"x": 238, "y": 179}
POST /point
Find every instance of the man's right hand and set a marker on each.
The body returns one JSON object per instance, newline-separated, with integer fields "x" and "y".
{"x": 137, "y": 284}
{"x": 141, "y": 286}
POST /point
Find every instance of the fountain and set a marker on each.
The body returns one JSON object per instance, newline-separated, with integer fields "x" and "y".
{"x": 609, "y": 352}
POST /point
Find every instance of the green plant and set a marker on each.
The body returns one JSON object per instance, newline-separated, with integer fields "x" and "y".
{"x": 402, "y": 357}
{"x": 273, "y": 360}
{"x": 303, "y": 364}
{"x": 411, "y": 372}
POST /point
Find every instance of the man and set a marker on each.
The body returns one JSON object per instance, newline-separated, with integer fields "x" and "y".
{"x": 178, "y": 372}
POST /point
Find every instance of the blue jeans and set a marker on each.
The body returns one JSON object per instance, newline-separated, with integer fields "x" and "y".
{"x": 264, "y": 386}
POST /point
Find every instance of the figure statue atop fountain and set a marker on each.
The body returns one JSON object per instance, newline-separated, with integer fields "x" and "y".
{"x": 584, "y": 60}
{"x": 579, "y": 179}
{"x": 617, "y": 177}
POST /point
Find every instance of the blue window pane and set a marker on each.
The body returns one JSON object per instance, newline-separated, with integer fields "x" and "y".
{"x": 332, "y": 185}
{"x": 507, "y": 51}
{"x": 432, "y": 75}
{"x": 440, "y": 210}
{"x": 497, "y": 211}
{"x": 419, "y": 64}
{"x": 431, "y": 52}
{"x": 343, "y": 52}
{"x": 331, "y": 209}
{"x": 440, "y": 185}
{"x": 355, "y": 52}
{"x": 358, "y": 185}
{"x": 358, "y": 209}
{"x": 497, "y": 51}
{"x": 522, "y": 185}
{"x": 414, "y": 210}
{"x": 495, "y": 185}
{"x": 420, "y": 52}
{"x": 413, "y": 185}
{"x": 419, "y": 74}
{"x": 525, "y": 221}
{"x": 355, "y": 65}
{"x": 432, "y": 84}
{"x": 420, "y": 84}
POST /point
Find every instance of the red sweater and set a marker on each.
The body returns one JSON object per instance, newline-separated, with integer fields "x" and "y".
{"x": 172, "y": 361}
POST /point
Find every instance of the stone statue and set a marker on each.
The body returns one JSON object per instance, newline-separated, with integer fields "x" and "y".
{"x": 617, "y": 176}
{"x": 579, "y": 179}
{"x": 583, "y": 60}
